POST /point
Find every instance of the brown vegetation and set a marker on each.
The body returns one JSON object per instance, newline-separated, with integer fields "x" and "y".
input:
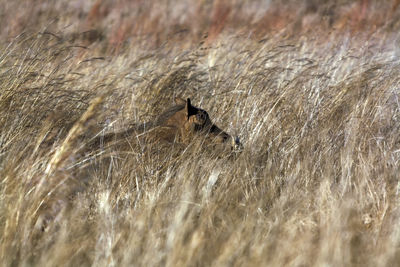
{"x": 311, "y": 89}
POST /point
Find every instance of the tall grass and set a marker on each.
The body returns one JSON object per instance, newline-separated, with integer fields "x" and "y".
{"x": 316, "y": 184}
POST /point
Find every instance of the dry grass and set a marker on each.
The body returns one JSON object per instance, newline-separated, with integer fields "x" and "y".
{"x": 318, "y": 113}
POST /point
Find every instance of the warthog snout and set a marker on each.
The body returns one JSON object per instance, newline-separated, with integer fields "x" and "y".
{"x": 220, "y": 137}
{"x": 237, "y": 146}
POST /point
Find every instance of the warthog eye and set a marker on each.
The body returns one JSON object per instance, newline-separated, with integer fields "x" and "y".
{"x": 201, "y": 117}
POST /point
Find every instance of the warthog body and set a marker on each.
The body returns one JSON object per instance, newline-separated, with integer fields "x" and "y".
{"x": 181, "y": 123}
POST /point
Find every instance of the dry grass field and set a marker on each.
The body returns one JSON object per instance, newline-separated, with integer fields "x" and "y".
{"x": 312, "y": 89}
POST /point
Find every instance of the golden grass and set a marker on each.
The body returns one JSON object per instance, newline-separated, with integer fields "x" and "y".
{"x": 316, "y": 184}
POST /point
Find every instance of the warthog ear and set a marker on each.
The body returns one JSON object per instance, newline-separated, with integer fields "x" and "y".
{"x": 190, "y": 110}
{"x": 179, "y": 101}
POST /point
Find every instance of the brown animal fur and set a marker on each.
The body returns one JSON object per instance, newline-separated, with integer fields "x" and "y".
{"x": 180, "y": 123}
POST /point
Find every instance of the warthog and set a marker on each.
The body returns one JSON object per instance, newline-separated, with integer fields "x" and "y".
{"x": 181, "y": 123}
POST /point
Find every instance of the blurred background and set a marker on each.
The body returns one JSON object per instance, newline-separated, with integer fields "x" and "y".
{"x": 115, "y": 25}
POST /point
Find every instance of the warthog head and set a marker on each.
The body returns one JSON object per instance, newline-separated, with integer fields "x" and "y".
{"x": 194, "y": 121}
